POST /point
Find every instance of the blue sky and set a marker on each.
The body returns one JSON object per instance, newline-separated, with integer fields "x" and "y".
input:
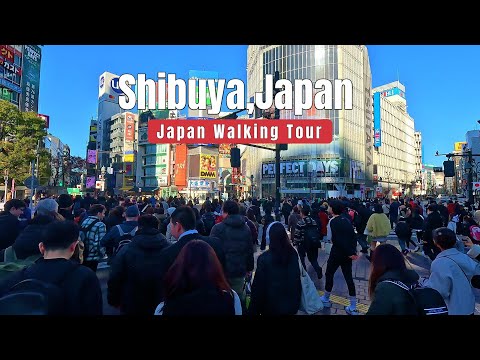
{"x": 441, "y": 83}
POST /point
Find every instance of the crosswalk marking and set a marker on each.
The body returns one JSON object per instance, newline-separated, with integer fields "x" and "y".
{"x": 363, "y": 308}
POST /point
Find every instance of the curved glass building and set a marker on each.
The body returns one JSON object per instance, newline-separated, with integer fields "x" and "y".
{"x": 341, "y": 168}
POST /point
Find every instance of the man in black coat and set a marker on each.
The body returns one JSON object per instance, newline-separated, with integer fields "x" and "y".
{"x": 236, "y": 241}
{"x": 79, "y": 285}
{"x": 183, "y": 227}
{"x": 135, "y": 284}
{"x": 9, "y": 223}
{"x": 433, "y": 221}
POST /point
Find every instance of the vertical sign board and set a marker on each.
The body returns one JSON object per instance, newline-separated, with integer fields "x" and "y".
{"x": 32, "y": 56}
{"x": 181, "y": 165}
{"x": 377, "y": 131}
{"x": 129, "y": 127}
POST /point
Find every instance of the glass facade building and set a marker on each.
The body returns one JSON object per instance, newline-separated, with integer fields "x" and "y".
{"x": 341, "y": 168}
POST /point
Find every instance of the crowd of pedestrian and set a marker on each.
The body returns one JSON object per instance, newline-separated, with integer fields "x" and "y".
{"x": 177, "y": 257}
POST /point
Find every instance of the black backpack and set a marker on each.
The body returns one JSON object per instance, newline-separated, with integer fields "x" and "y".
{"x": 36, "y": 297}
{"x": 311, "y": 236}
{"x": 427, "y": 300}
{"x": 124, "y": 239}
{"x": 208, "y": 221}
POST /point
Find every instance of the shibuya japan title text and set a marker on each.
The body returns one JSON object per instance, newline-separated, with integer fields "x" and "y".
{"x": 278, "y": 95}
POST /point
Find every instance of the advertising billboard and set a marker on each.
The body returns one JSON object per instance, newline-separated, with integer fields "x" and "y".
{"x": 90, "y": 183}
{"x": 92, "y": 157}
{"x": 181, "y": 165}
{"x": 45, "y": 118}
{"x": 459, "y": 146}
{"x": 208, "y": 166}
{"x": 297, "y": 168}
{"x": 224, "y": 155}
{"x": 377, "y": 131}
{"x": 200, "y": 184}
{"x": 32, "y": 57}
{"x": 129, "y": 127}
{"x": 108, "y": 88}
{"x": 357, "y": 171}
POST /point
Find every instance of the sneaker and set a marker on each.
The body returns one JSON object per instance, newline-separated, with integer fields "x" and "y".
{"x": 326, "y": 302}
{"x": 351, "y": 311}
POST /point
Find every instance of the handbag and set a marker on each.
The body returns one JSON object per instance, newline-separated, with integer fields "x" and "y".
{"x": 328, "y": 247}
{"x": 310, "y": 302}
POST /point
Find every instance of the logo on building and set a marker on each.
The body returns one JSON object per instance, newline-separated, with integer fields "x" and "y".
{"x": 102, "y": 81}
{"x": 115, "y": 86}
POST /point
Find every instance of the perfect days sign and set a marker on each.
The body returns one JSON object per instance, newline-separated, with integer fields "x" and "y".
{"x": 319, "y": 167}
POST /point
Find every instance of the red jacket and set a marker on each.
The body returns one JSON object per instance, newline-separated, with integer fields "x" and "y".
{"x": 324, "y": 222}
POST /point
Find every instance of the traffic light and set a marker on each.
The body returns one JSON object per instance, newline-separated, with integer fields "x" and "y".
{"x": 235, "y": 157}
{"x": 449, "y": 168}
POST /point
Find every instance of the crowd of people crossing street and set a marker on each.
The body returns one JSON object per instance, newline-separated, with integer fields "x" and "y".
{"x": 173, "y": 256}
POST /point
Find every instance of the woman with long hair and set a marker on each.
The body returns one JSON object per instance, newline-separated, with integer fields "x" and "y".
{"x": 276, "y": 288}
{"x": 388, "y": 298}
{"x": 196, "y": 285}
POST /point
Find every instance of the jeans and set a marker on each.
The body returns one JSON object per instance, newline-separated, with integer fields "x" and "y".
{"x": 402, "y": 242}
{"x": 332, "y": 265}
{"x": 362, "y": 241}
{"x": 312, "y": 255}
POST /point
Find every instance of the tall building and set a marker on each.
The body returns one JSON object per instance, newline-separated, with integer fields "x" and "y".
{"x": 59, "y": 152}
{"x": 341, "y": 168}
{"x": 418, "y": 163}
{"x": 108, "y": 92}
{"x": 20, "y": 75}
{"x": 394, "y": 140}
{"x": 429, "y": 180}
{"x": 122, "y": 148}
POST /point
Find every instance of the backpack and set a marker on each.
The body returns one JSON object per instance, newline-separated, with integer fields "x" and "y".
{"x": 124, "y": 239}
{"x": 311, "y": 236}
{"x": 209, "y": 221}
{"x": 428, "y": 301}
{"x": 36, "y": 297}
{"x": 83, "y": 236}
{"x": 475, "y": 233}
{"x": 11, "y": 264}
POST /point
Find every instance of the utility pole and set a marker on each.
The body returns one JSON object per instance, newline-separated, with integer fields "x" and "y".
{"x": 278, "y": 147}
{"x": 37, "y": 172}
{"x": 470, "y": 177}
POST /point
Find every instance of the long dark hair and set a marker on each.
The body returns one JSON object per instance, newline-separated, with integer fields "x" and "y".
{"x": 385, "y": 257}
{"x": 196, "y": 266}
{"x": 280, "y": 245}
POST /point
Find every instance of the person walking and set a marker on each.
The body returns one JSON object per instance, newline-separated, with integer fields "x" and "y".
{"x": 276, "y": 287}
{"x": 378, "y": 227}
{"x": 388, "y": 298}
{"x": 344, "y": 250}
{"x": 195, "y": 285}
{"x": 451, "y": 274}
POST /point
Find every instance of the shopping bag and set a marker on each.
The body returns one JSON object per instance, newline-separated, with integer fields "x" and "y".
{"x": 310, "y": 302}
{"x": 328, "y": 247}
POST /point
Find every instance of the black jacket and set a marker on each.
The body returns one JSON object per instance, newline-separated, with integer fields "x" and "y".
{"x": 9, "y": 229}
{"x": 83, "y": 295}
{"x": 236, "y": 241}
{"x": 402, "y": 230}
{"x": 432, "y": 222}
{"x": 364, "y": 216}
{"x": 394, "y": 209}
{"x": 201, "y": 302}
{"x": 135, "y": 274}
{"x": 390, "y": 299}
{"x": 415, "y": 222}
{"x": 276, "y": 288}
{"x": 67, "y": 214}
{"x": 344, "y": 243}
{"x": 26, "y": 244}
